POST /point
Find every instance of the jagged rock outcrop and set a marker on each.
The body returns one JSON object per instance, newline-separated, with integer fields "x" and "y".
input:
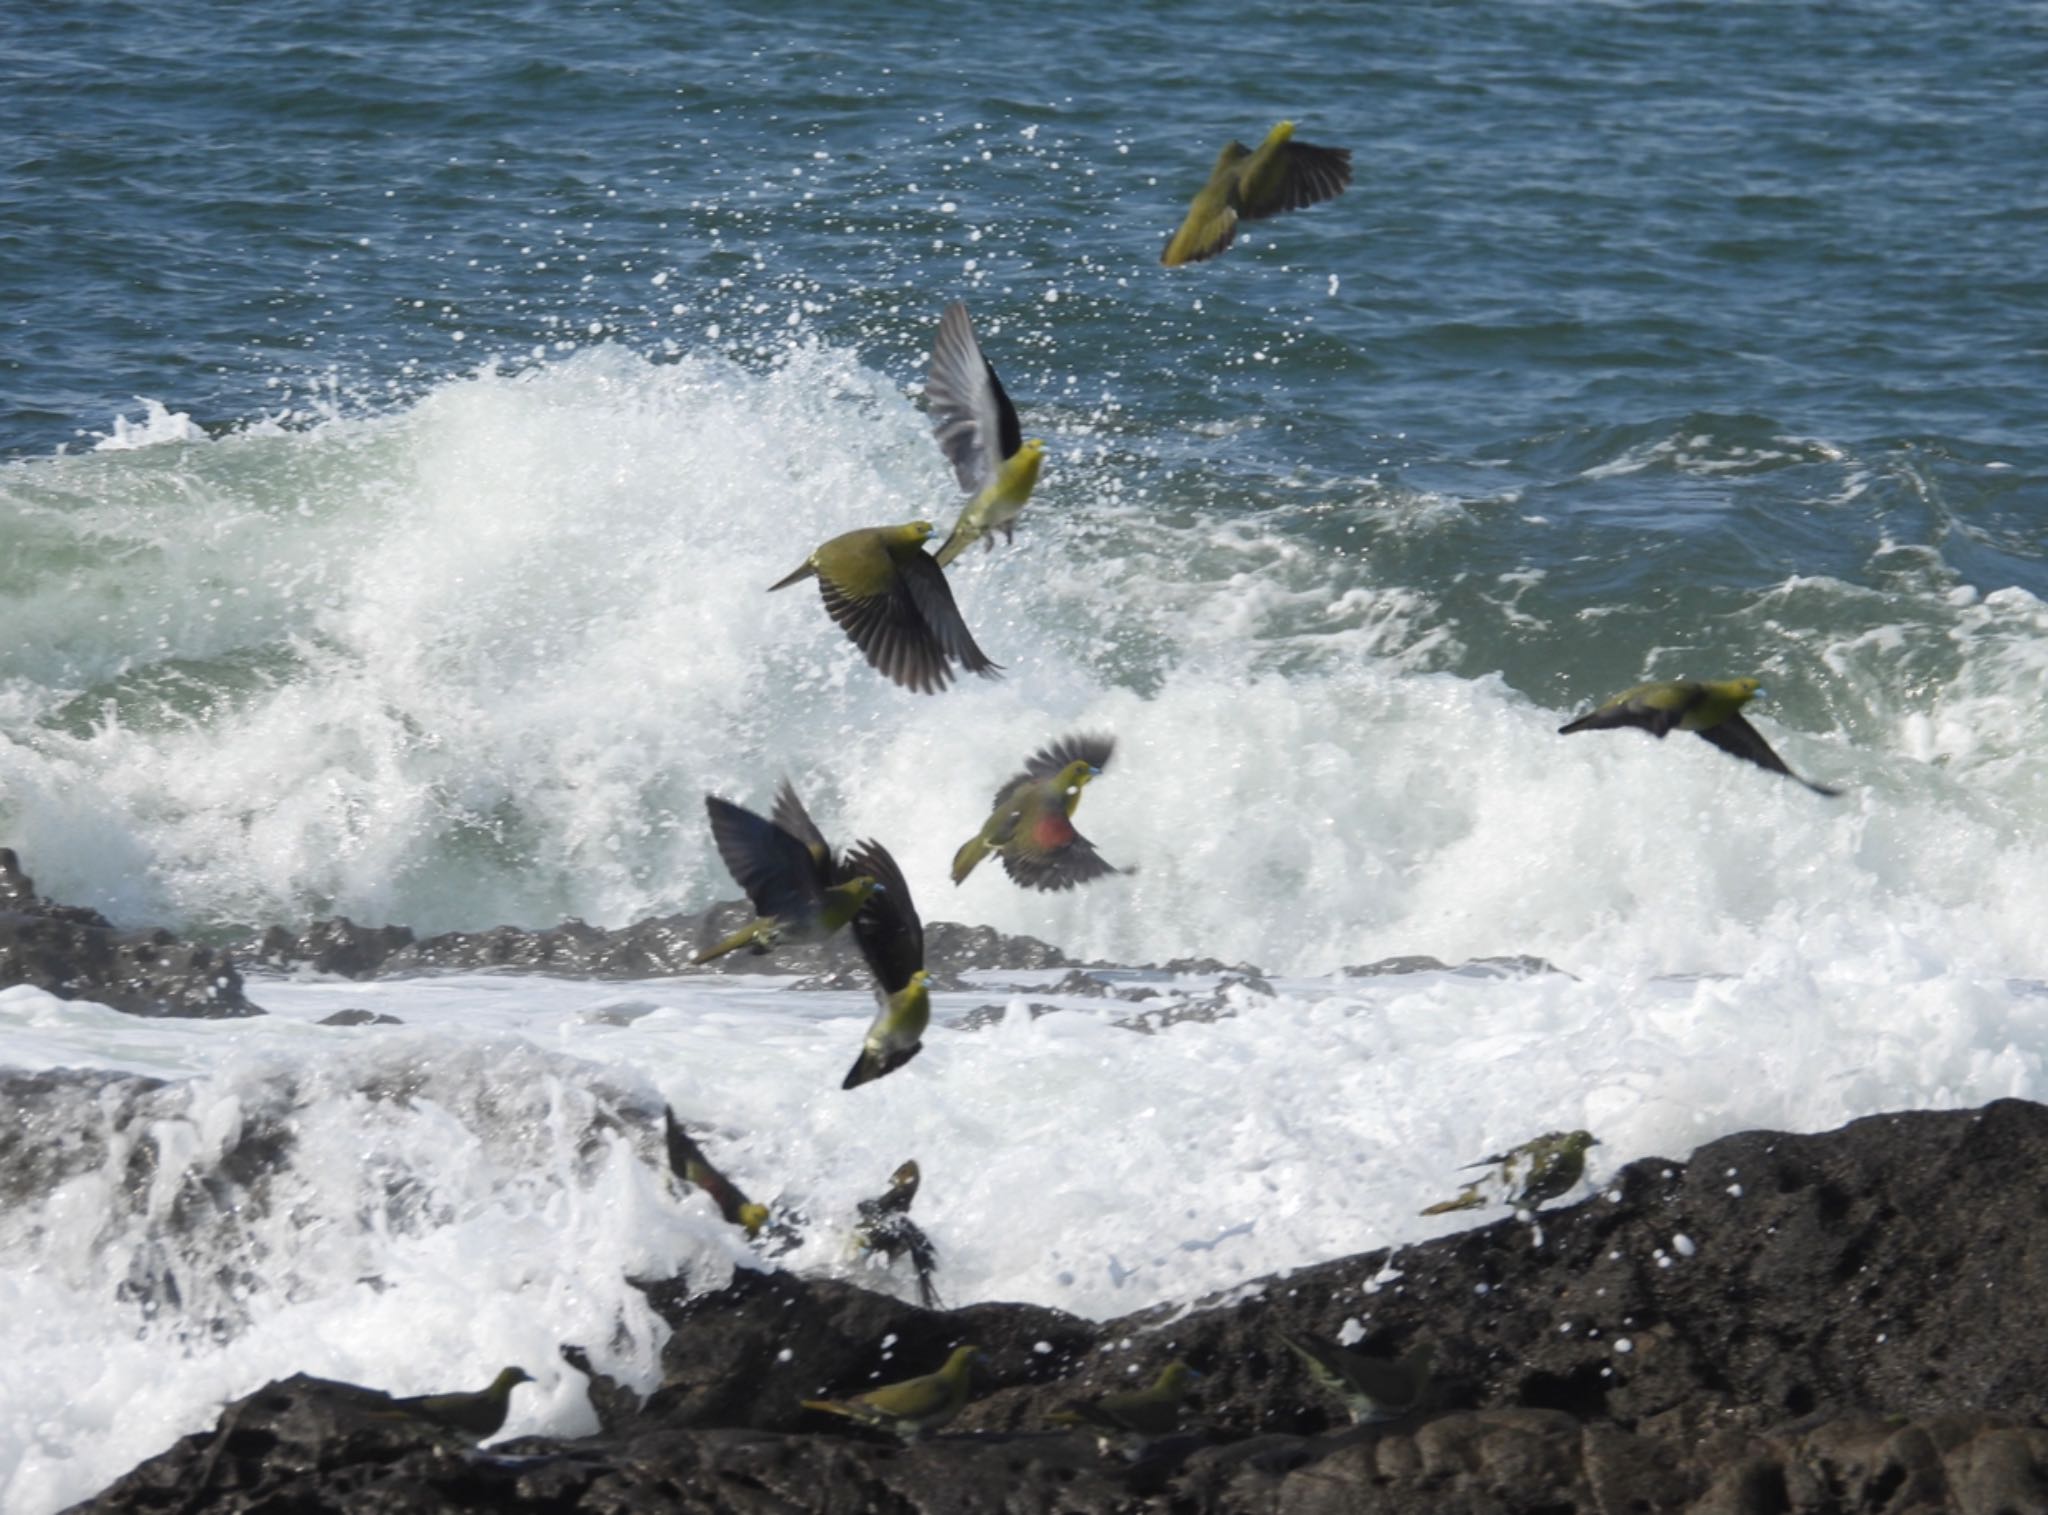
{"x": 1782, "y": 1325}
{"x": 75, "y": 953}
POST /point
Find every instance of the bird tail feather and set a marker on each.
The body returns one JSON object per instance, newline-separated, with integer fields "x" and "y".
{"x": 805, "y": 571}
{"x": 743, "y": 937}
{"x": 965, "y": 859}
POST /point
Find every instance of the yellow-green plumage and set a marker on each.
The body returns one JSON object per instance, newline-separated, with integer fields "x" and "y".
{"x": 478, "y": 1414}
{"x": 1710, "y": 708}
{"x": 978, "y": 430}
{"x": 688, "y": 1162}
{"x": 1133, "y": 1414}
{"x": 1371, "y": 1388}
{"x": 1540, "y": 1169}
{"x": 1031, "y": 826}
{"x": 913, "y": 1407}
{"x": 798, "y": 891}
{"x": 887, "y": 1230}
{"x": 1249, "y": 184}
{"x": 890, "y": 936}
{"x": 891, "y": 599}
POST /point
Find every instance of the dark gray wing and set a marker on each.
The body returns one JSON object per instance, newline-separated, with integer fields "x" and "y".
{"x": 1093, "y": 748}
{"x": 925, "y": 583}
{"x": 972, "y": 417}
{"x": 891, "y": 631}
{"x": 1075, "y": 863}
{"x": 777, "y": 871}
{"x": 1737, "y": 736}
{"x": 887, "y": 929}
{"x": 791, "y": 816}
{"x": 1309, "y": 176}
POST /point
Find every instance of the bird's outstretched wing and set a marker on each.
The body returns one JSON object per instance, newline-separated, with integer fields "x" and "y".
{"x": 972, "y": 417}
{"x": 1092, "y": 748}
{"x": 777, "y": 870}
{"x": 1735, "y": 735}
{"x": 925, "y": 583}
{"x": 1308, "y": 176}
{"x": 1075, "y": 863}
{"x": 791, "y": 816}
{"x": 887, "y": 929}
{"x": 891, "y": 633}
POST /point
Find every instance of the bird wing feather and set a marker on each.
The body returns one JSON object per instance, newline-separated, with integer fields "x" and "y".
{"x": 1308, "y": 175}
{"x": 1735, "y": 735}
{"x": 887, "y": 929}
{"x": 778, "y": 871}
{"x": 1092, "y": 748}
{"x": 791, "y": 816}
{"x": 1075, "y": 863}
{"x": 972, "y": 417}
{"x": 931, "y": 597}
{"x": 891, "y": 634}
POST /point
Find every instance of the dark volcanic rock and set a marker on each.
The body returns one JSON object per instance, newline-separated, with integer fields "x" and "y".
{"x": 651, "y": 948}
{"x": 75, "y": 953}
{"x": 1783, "y": 1325}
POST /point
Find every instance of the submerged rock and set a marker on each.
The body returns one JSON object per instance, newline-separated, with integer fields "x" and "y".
{"x": 75, "y": 953}
{"x": 1791, "y": 1324}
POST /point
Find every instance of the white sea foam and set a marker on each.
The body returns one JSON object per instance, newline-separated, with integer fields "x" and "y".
{"x": 480, "y": 661}
{"x": 453, "y": 1194}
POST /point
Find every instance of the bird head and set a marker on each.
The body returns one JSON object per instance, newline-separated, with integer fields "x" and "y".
{"x": 907, "y": 1176}
{"x": 1075, "y": 776}
{"x": 961, "y": 1360}
{"x": 1741, "y": 691}
{"x": 510, "y": 1378}
{"x": 1281, "y": 133}
{"x": 1579, "y": 1141}
{"x": 753, "y": 1217}
{"x": 918, "y": 531}
{"x": 1173, "y": 1378}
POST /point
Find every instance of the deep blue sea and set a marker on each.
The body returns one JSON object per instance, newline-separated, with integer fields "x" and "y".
{"x": 404, "y": 410}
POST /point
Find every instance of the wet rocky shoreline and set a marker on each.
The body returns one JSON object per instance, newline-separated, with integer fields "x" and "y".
{"x": 1846, "y": 1321}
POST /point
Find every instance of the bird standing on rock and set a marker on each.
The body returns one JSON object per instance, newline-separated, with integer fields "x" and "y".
{"x": 1539, "y": 1169}
{"x": 799, "y": 892}
{"x": 1247, "y": 183}
{"x": 1032, "y": 826}
{"x": 886, "y": 1229}
{"x": 1711, "y": 708}
{"x": 891, "y": 938}
{"x": 1371, "y": 1388}
{"x": 979, "y": 433}
{"x": 479, "y": 1415}
{"x": 1134, "y": 1416}
{"x": 913, "y": 1407}
{"x": 891, "y": 599}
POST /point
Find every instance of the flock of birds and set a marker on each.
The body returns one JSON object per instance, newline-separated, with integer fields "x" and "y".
{"x": 891, "y": 598}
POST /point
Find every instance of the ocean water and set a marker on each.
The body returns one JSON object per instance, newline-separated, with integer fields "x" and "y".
{"x": 402, "y": 420}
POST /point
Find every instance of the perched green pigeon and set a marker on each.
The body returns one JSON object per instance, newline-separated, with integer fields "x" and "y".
{"x": 479, "y": 1414}
{"x": 1371, "y": 1388}
{"x": 1132, "y": 1415}
{"x": 1712, "y": 708}
{"x": 1032, "y": 826}
{"x": 891, "y": 599}
{"x": 910, "y": 1408}
{"x": 891, "y": 938}
{"x": 1539, "y": 1169}
{"x": 886, "y": 1229}
{"x": 979, "y": 433}
{"x": 1251, "y": 183}
{"x": 799, "y": 892}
